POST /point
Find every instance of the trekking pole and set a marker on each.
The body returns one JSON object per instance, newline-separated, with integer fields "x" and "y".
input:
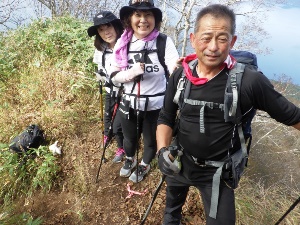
{"x": 162, "y": 179}
{"x": 99, "y": 74}
{"x": 110, "y": 130}
{"x": 288, "y": 211}
{"x": 138, "y": 80}
{"x": 137, "y": 127}
{"x": 102, "y": 124}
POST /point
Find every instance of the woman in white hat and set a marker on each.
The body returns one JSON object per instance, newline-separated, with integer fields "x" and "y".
{"x": 136, "y": 53}
{"x": 107, "y": 29}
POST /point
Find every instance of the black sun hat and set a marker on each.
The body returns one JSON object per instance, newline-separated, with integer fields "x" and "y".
{"x": 101, "y": 18}
{"x": 134, "y": 5}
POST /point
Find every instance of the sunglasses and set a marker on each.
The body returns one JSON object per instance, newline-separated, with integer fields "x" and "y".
{"x": 139, "y": 2}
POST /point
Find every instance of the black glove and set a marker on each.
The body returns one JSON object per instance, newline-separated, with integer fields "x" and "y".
{"x": 165, "y": 164}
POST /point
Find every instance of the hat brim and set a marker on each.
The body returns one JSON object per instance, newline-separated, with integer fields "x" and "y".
{"x": 92, "y": 31}
{"x": 127, "y": 10}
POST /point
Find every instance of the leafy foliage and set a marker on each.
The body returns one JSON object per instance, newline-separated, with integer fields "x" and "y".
{"x": 8, "y": 218}
{"x": 63, "y": 40}
{"x": 23, "y": 174}
{"x": 58, "y": 70}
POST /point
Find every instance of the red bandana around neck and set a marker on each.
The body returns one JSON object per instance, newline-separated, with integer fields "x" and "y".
{"x": 229, "y": 62}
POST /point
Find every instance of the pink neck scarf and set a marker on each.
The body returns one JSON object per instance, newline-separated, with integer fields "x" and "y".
{"x": 120, "y": 49}
{"x": 229, "y": 62}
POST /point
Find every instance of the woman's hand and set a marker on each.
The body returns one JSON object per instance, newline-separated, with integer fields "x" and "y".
{"x": 128, "y": 75}
{"x": 137, "y": 69}
{"x": 178, "y": 63}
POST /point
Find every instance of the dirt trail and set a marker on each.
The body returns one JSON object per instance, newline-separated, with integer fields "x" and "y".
{"x": 74, "y": 202}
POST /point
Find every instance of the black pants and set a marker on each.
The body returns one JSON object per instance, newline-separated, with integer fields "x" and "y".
{"x": 176, "y": 196}
{"x": 116, "y": 126}
{"x": 147, "y": 126}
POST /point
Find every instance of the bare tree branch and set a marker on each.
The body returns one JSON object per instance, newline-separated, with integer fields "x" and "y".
{"x": 250, "y": 16}
{"x": 8, "y": 9}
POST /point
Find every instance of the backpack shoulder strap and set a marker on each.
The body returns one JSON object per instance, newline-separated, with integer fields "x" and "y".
{"x": 232, "y": 111}
{"x": 234, "y": 84}
{"x": 103, "y": 57}
{"x": 183, "y": 85}
{"x": 161, "y": 49}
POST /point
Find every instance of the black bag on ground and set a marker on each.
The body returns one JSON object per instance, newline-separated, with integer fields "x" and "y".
{"x": 31, "y": 137}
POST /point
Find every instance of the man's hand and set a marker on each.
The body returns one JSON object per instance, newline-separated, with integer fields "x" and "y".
{"x": 167, "y": 163}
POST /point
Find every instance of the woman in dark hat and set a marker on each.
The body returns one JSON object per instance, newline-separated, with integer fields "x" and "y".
{"x": 107, "y": 29}
{"x": 136, "y": 54}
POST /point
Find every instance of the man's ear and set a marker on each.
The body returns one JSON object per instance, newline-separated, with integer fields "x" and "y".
{"x": 192, "y": 38}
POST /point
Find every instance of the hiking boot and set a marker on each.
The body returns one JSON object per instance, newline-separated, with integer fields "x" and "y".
{"x": 128, "y": 166}
{"x": 141, "y": 171}
{"x": 119, "y": 155}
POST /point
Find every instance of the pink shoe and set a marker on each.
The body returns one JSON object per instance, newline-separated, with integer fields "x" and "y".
{"x": 120, "y": 153}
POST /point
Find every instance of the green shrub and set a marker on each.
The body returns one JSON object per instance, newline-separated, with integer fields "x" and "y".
{"x": 62, "y": 42}
{"x": 9, "y": 218}
{"x": 22, "y": 175}
{"x": 46, "y": 76}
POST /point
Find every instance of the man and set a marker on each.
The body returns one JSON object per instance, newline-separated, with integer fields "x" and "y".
{"x": 214, "y": 140}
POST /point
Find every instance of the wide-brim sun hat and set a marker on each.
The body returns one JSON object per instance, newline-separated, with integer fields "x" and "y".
{"x": 101, "y": 18}
{"x": 134, "y": 5}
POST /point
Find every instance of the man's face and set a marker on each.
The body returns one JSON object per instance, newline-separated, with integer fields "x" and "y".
{"x": 213, "y": 41}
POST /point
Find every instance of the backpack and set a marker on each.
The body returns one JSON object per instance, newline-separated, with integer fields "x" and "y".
{"x": 246, "y": 58}
{"x": 232, "y": 113}
{"x": 31, "y": 137}
{"x": 250, "y": 60}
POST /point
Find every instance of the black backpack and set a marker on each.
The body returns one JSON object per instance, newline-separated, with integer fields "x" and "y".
{"x": 31, "y": 137}
{"x": 232, "y": 111}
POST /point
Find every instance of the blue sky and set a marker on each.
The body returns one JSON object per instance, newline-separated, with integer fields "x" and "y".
{"x": 283, "y": 26}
